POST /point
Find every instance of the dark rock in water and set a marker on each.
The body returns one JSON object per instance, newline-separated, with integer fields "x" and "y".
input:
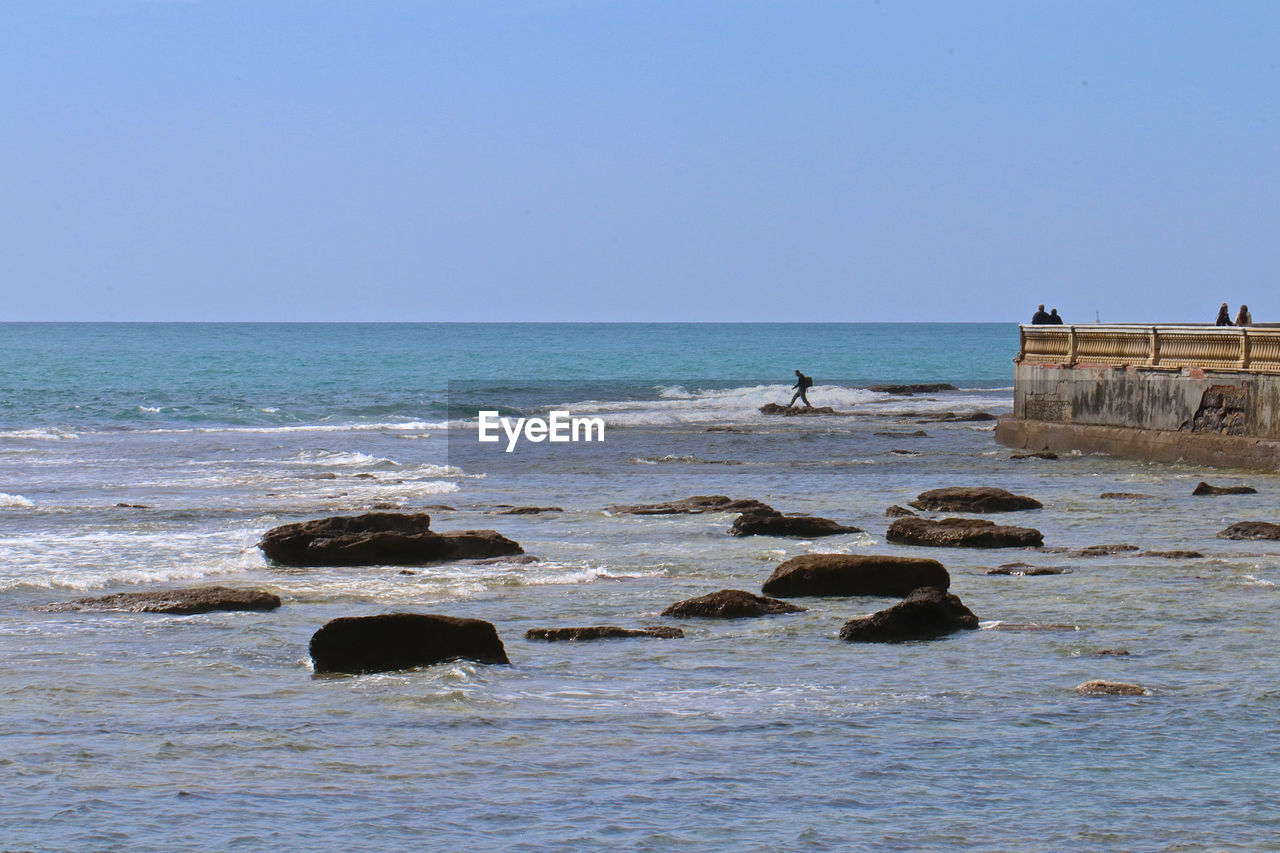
{"x": 973, "y": 499}
{"x": 200, "y": 599}
{"x": 1206, "y": 489}
{"x": 365, "y": 477}
{"x": 770, "y": 522}
{"x": 1173, "y": 555}
{"x": 1025, "y": 570}
{"x": 896, "y": 511}
{"x": 788, "y": 411}
{"x": 356, "y": 644}
{"x": 1126, "y": 496}
{"x": 926, "y": 613}
{"x": 513, "y": 560}
{"x": 730, "y": 604}
{"x": 439, "y": 507}
{"x": 1105, "y": 653}
{"x": 1251, "y": 530}
{"x": 133, "y": 506}
{"x": 1032, "y": 626}
{"x": 953, "y": 417}
{"x": 530, "y": 510}
{"x": 690, "y": 506}
{"x": 915, "y": 434}
{"x": 1111, "y": 688}
{"x": 961, "y": 533}
{"x": 1044, "y": 454}
{"x": 378, "y": 539}
{"x": 724, "y": 429}
{"x": 1104, "y": 550}
{"x": 908, "y": 390}
{"x": 897, "y": 452}
{"x": 854, "y": 574}
{"x": 601, "y": 632}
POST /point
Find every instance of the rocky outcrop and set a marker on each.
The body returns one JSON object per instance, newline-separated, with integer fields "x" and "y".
{"x": 790, "y": 411}
{"x": 689, "y": 506}
{"x": 1173, "y": 555}
{"x": 1026, "y": 570}
{"x": 973, "y": 499}
{"x": 961, "y": 417}
{"x": 1043, "y": 454}
{"x": 1111, "y": 688}
{"x": 770, "y": 522}
{"x": 378, "y": 539}
{"x": 730, "y": 604}
{"x": 357, "y": 644}
{"x": 529, "y": 510}
{"x": 926, "y": 613}
{"x": 896, "y": 511}
{"x": 854, "y": 574}
{"x": 918, "y": 388}
{"x": 900, "y": 452}
{"x": 961, "y": 533}
{"x": 1205, "y": 489}
{"x": 1104, "y": 550}
{"x": 600, "y": 632}
{"x": 1251, "y": 530}
{"x": 200, "y": 599}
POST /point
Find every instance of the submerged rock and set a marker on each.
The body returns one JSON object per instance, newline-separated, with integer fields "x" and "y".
{"x": 770, "y": 522}
{"x": 1173, "y": 555}
{"x": 1026, "y": 570}
{"x": 854, "y": 574}
{"x": 690, "y": 506}
{"x": 730, "y": 604}
{"x": 357, "y": 644}
{"x": 1043, "y": 454}
{"x": 378, "y": 539}
{"x": 899, "y": 452}
{"x": 973, "y": 499}
{"x": 953, "y": 417}
{"x": 1205, "y": 489}
{"x": 1104, "y": 550}
{"x": 926, "y": 613}
{"x": 529, "y": 510}
{"x": 1111, "y": 688}
{"x": 918, "y": 388}
{"x": 788, "y": 411}
{"x": 601, "y": 632}
{"x": 919, "y": 433}
{"x": 961, "y": 533}
{"x": 1251, "y": 530}
{"x": 1126, "y": 496}
{"x": 200, "y": 599}
{"x": 896, "y": 511}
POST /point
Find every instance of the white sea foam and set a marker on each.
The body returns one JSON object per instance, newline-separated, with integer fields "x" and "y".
{"x": 398, "y": 426}
{"x": 51, "y": 434}
{"x": 15, "y": 500}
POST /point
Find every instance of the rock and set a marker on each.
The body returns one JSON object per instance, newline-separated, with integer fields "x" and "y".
{"x": 356, "y": 644}
{"x": 1025, "y": 570}
{"x": 789, "y": 411}
{"x": 529, "y": 510}
{"x": 1251, "y": 530}
{"x": 1031, "y": 626}
{"x": 1044, "y": 454}
{"x": 690, "y": 506}
{"x": 961, "y": 533}
{"x": 514, "y": 560}
{"x": 1111, "y": 688}
{"x": 600, "y": 632}
{"x": 926, "y": 613}
{"x": 896, "y": 511}
{"x": 730, "y": 604}
{"x": 1126, "y": 496}
{"x": 908, "y": 390}
{"x": 365, "y": 477}
{"x": 200, "y": 599}
{"x": 1173, "y": 555}
{"x": 378, "y": 539}
{"x": 896, "y": 452}
{"x": 854, "y": 574}
{"x": 133, "y": 506}
{"x": 973, "y": 499}
{"x": 1105, "y": 653}
{"x": 953, "y": 417}
{"x": 724, "y": 429}
{"x": 916, "y": 434}
{"x": 1104, "y": 550}
{"x": 1206, "y": 489}
{"x": 770, "y": 522}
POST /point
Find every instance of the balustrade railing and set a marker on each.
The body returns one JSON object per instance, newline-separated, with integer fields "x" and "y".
{"x": 1213, "y": 347}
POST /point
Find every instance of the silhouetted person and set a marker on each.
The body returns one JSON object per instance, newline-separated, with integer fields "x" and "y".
{"x": 803, "y": 383}
{"x": 1224, "y": 316}
{"x": 1054, "y": 319}
{"x": 1040, "y": 318}
{"x": 1244, "y": 318}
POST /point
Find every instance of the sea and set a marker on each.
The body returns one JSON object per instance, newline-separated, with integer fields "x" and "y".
{"x": 140, "y": 457}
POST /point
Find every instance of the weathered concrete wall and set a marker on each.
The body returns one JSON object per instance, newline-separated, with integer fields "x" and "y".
{"x": 1223, "y": 418}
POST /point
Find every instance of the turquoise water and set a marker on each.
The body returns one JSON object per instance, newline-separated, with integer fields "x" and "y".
{"x": 148, "y": 732}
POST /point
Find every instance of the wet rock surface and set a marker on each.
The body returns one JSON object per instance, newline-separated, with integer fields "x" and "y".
{"x": 961, "y": 533}
{"x": 1026, "y": 570}
{"x": 360, "y": 644}
{"x": 854, "y": 574}
{"x": 791, "y": 411}
{"x": 918, "y": 388}
{"x": 529, "y": 510}
{"x": 600, "y": 632}
{"x": 770, "y": 522}
{"x": 690, "y": 506}
{"x": 926, "y": 613}
{"x": 1173, "y": 555}
{"x": 1104, "y": 550}
{"x": 919, "y": 433}
{"x": 896, "y": 511}
{"x": 1251, "y": 530}
{"x": 958, "y": 417}
{"x": 202, "y": 599}
{"x": 378, "y": 539}
{"x": 1205, "y": 489}
{"x": 1126, "y": 496}
{"x": 730, "y": 604}
{"x": 1044, "y": 454}
{"x": 973, "y": 499}
{"x": 1111, "y": 688}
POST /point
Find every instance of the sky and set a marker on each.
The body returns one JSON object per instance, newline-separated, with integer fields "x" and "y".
{"x": 609, "y": 160}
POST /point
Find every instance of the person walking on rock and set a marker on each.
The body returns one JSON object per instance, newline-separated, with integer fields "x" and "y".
{"x": 803, "y": 383}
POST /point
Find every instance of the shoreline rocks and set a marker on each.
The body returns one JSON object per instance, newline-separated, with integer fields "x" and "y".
{"x": 1205, "y": 489}
{"x": 791, "y": 411}
{"x": 695, "y": 505}
{"x": 1111, "y": 688}
{"x": 925, "y": 614}
{"x": 954, "y": 418}
{"x": 854, "y": 574}
{"x": 378, "y": 539}
{"x": 770, "y": 522}
{"x": 529, "y": 510}
{"x": 981, "y": 499}
{"x": 192, "y": 600}
{"x": 918, "y": 388}
{"x": 391, "y": 641}
{"x": 601, "y": 632}
{"x": 1251, "y": 530}
{"x": 730, "y": 604}
{"x": 961, "y": 533}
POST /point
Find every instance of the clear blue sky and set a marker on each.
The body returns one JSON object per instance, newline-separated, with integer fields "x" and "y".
{"x": 592, "y": 160}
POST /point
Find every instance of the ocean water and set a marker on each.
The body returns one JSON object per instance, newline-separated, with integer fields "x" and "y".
{"x": 154, "y": 732}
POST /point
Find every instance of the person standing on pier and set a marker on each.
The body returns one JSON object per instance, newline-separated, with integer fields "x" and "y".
{"x": 1224, "y": 316}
